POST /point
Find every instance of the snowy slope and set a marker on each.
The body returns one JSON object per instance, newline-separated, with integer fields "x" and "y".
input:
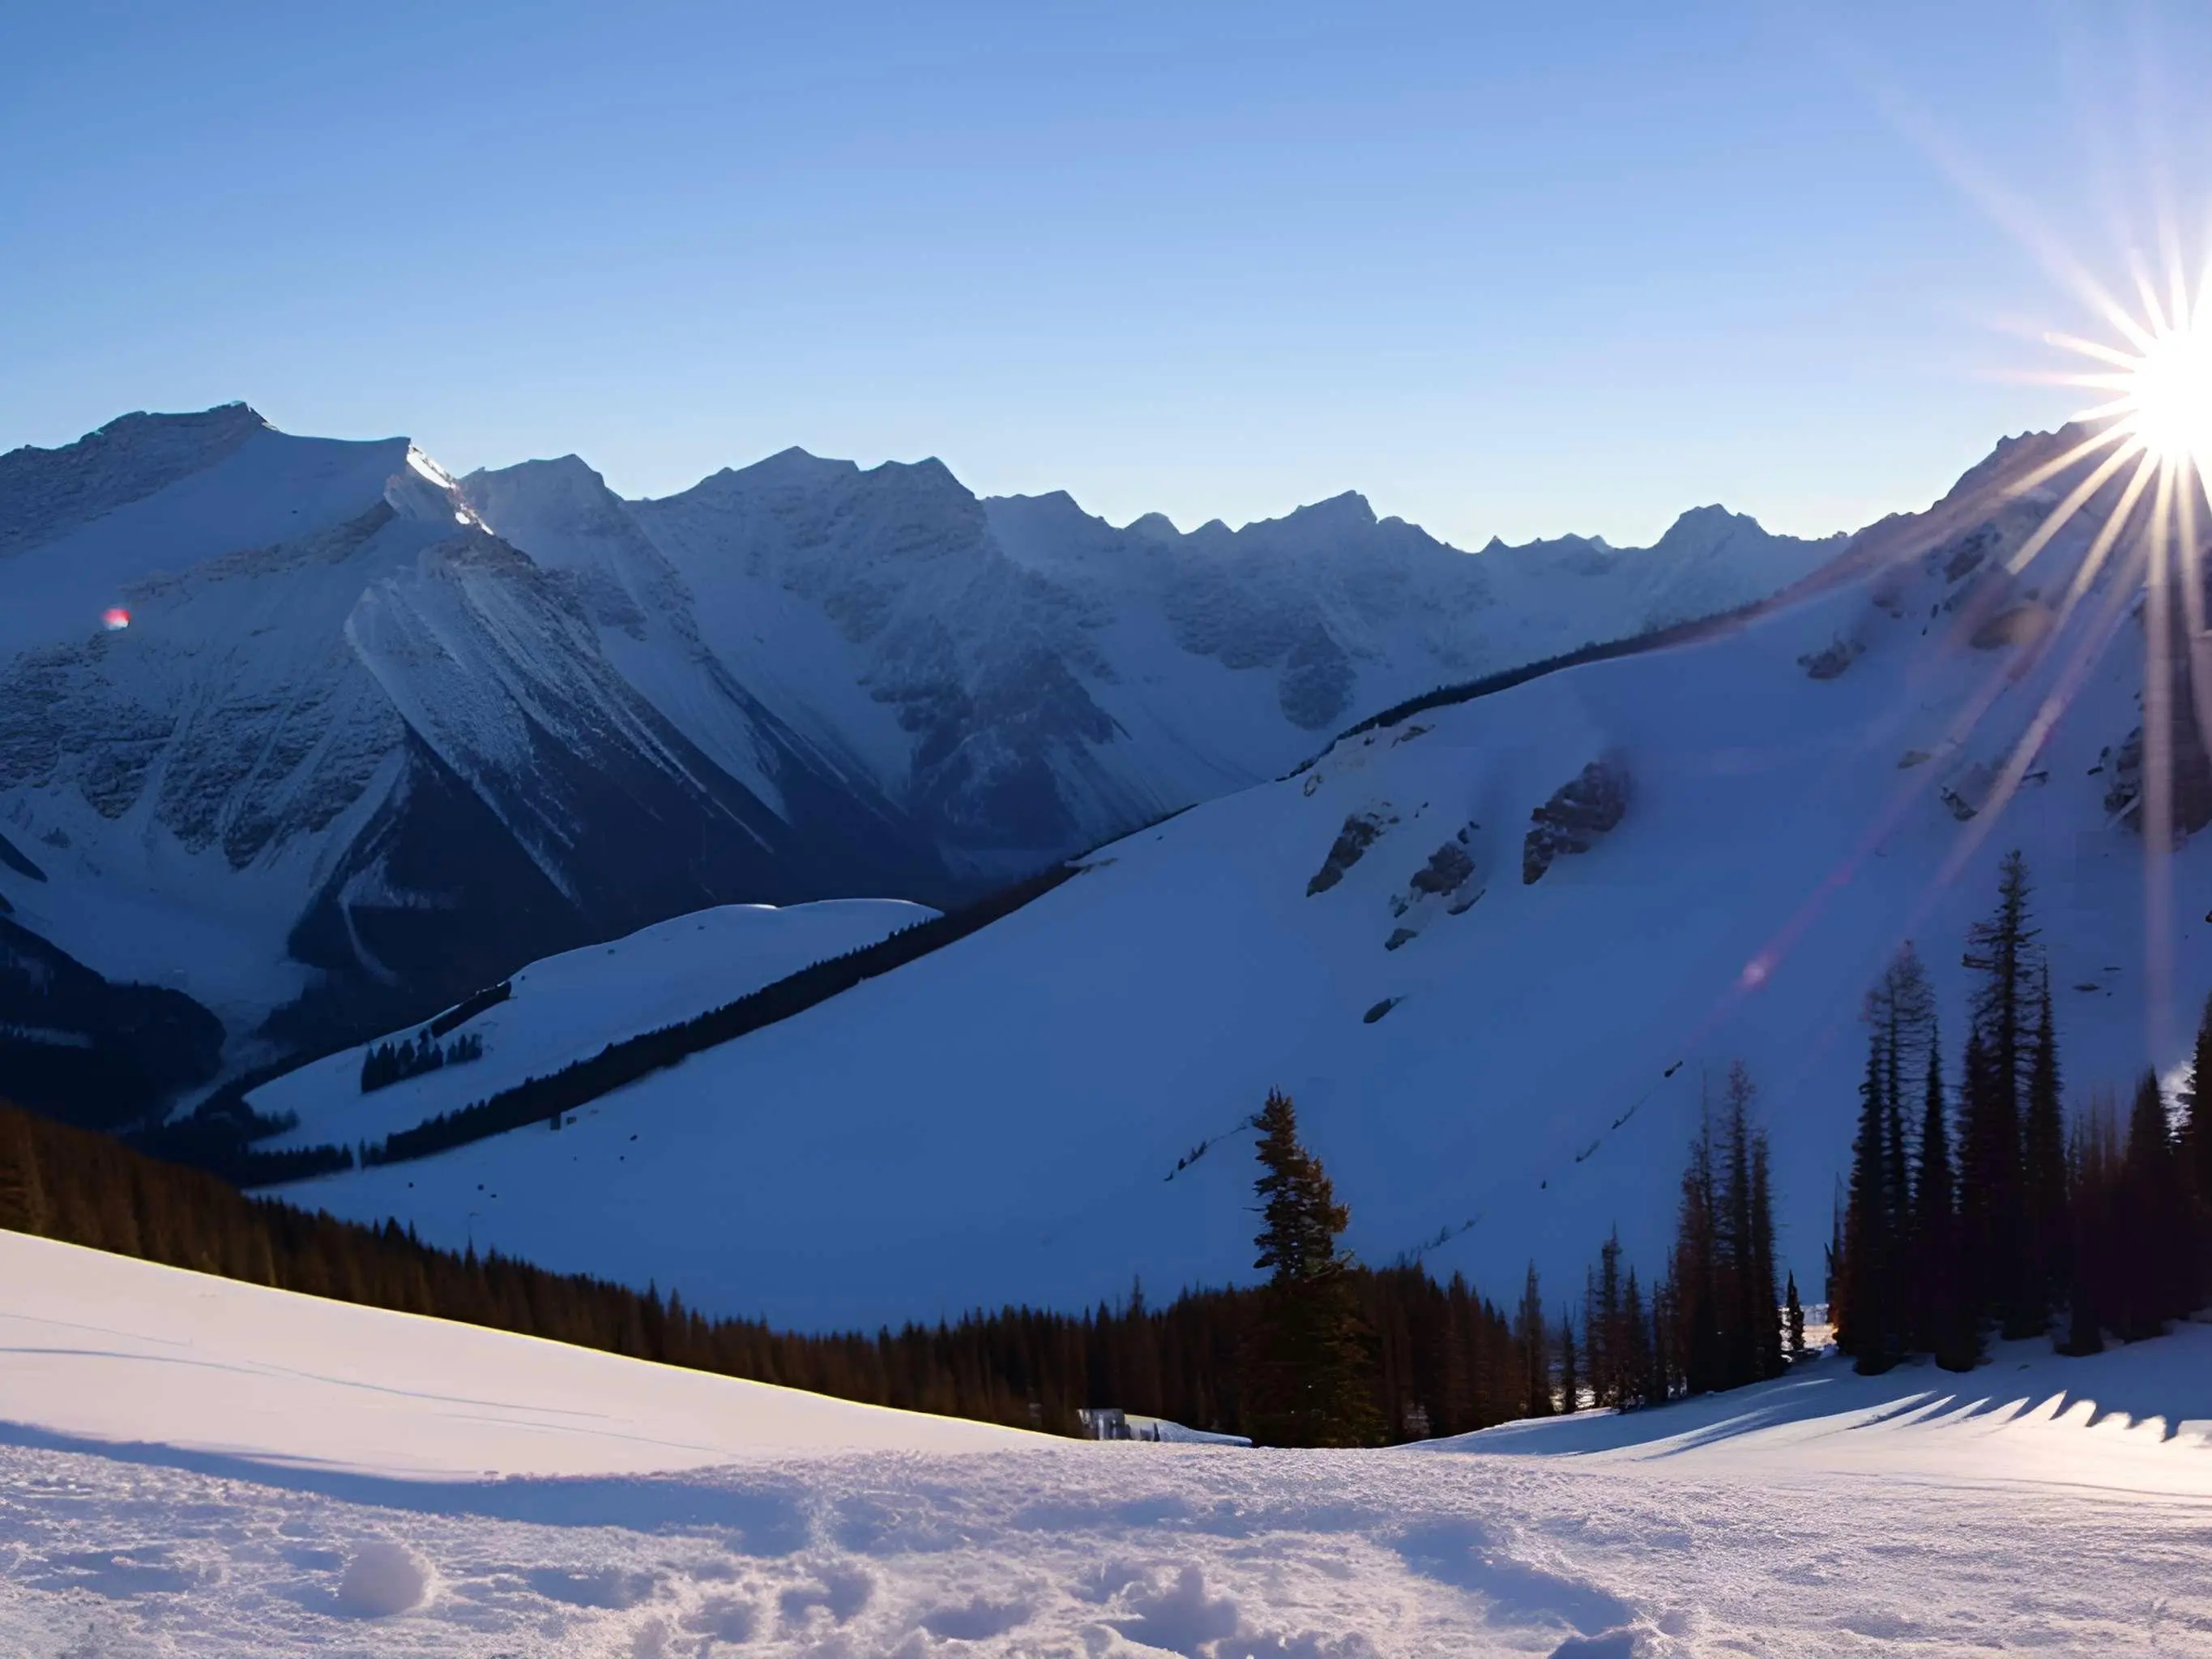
{"x": 189, "y": 1466}
{"x": 1030, "y": 680}
{"x": 571, "y": 1006}
{"x": 351, "y": 748}
{"x": 997, "y": 1121}
{"x": 374, "y": 738}
{"x": 110, "y": 1349}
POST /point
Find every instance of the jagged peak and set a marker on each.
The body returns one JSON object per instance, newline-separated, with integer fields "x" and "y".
{"x": 1349, "y": 510}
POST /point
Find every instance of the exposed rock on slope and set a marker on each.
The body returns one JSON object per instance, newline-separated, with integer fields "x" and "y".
{"x": 1351, "y": 845}
{"x": 1579, "y": 811}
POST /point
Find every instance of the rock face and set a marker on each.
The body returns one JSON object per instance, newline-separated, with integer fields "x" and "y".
{"x": 1578, "y": 813}
{"x": 1829, "y": 661}
{"x": 1448, "y": 869}
{"x": 1351, "y": 845}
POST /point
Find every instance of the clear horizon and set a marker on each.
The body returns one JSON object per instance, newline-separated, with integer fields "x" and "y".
{"x": 1522, "y": 278}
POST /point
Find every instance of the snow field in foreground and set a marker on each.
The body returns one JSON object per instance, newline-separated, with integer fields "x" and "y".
{"x": 190, "y": 1466}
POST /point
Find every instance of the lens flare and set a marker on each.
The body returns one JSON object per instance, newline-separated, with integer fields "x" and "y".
{"x": 2170, "y": 397}
{"x": 2158, "y": 379}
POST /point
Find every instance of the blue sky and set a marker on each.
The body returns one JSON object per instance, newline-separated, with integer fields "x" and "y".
{"x": 1504, "y": 269}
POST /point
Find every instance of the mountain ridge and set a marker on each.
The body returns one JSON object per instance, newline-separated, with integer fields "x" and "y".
{"x": 375, "y": 734}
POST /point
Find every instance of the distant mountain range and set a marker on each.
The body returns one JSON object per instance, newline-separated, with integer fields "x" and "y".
{"x": 374, "y": 736}
{"x": 1500, "y": 949}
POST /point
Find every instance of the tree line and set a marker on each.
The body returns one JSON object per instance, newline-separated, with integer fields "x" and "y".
{"x": 543, "y": 1099}
{"x": 1326, "y": 1352}
{"x": 388, "y": 1063}
{"x": 1975, "y": 1209}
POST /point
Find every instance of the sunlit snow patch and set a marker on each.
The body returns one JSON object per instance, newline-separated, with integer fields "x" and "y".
{"x": 428, "y": 468}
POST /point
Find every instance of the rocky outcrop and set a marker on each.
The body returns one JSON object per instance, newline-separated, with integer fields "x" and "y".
{"x": 1359, "y": 833}
{"x": 1578, "y": 815}
{"x": 1829, "y": 661}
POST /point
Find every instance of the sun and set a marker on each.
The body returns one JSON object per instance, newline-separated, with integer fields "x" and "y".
{"x": 2158, "y": 380}
{"x": 2169, "y": 395}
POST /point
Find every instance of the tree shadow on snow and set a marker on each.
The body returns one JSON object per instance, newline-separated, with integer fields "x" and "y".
{"x": 2166, "y": 1379}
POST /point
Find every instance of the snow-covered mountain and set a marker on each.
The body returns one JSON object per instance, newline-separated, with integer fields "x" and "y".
{"x": 1497, "y": 952}
{"x": 374, "y": 738}
{"x": 1029, "y": 680}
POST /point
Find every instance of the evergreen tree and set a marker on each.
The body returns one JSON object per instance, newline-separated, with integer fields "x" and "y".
{"x": 2196, "y": 1113}
{"x": 1312, "y": 1381}
{"x": 1742, "y": 1313}
{"x": 2093, "y": 1172}
{"x": 1694, "y": 1304}
{"x": 1571, "y": 1378}
{"x": 1605, "y": 1337}
{"x": 1940, "y": 1322}
{"x": 1794, "y": 1314}
{"x": 2157, "y": 1253}
{"x": 1860, "y": 1306}
{"x": 2043, "y": 1162}
{"x": 1992, "y": 1197}
{"x": 23, "y": 1193}
{"x": 1766, "y": 1350}
{"x": 1533, "y": 1337}
{"x": 1636, "y": 1385}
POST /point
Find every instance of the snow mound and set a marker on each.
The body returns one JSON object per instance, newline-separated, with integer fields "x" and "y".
{"x": 383, "y": 1579}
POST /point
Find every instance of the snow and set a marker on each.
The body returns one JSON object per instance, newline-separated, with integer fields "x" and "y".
{"x": 955, "y": 689}
{"x": 189, "y": 1466}
{"x": 997, "y": 1122}
{"x": 103, "y": 1348}
{"x": 569, "y": 1006}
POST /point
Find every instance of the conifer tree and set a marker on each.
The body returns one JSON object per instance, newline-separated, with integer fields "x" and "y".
{"x": 1794, "y": 1315}
{"x": 2093, "y": 1172}
{"x": 1533, "y": 1336}
{"x": 2196, "y": 1113}
{"x": 1766, "y": 1351}
{"x": 1941, "y": 1324}
{"x": 1992, "y": 1197}
{"x": 1571, "y": 1377}
{"x": 1605, "y": 1340}
{"x": 1865, "y": 1321}
{"x": 22, "y": 1194}
{"x": 2156, "y": 1254}
{"x": 2043, "y": 1162}
{"x": 1313, "y": 1375}
{"x": 1636, "y": 1385}
{"x": 1695, "y": 1302}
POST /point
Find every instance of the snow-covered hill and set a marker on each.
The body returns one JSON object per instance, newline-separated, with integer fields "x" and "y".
{"x": 571, "y": 1006}
{"x": 191, "y": 1466}
{"x": 373, "y": 737}
{"x": 1495, "y": 1068}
